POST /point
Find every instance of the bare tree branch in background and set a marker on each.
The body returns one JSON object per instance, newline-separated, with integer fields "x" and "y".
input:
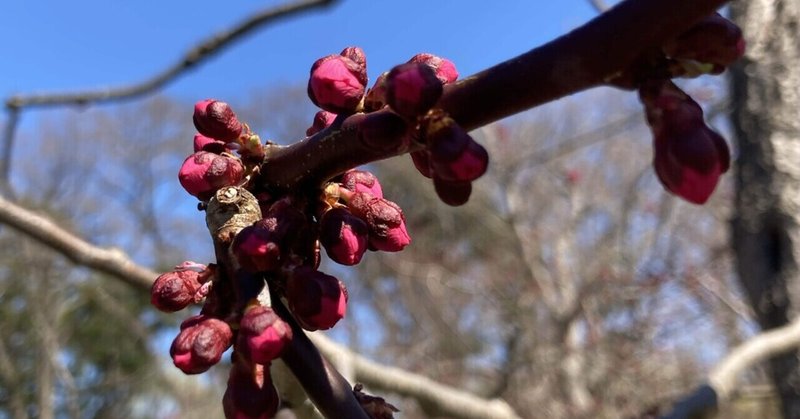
{"x": 722, "y": 385}
{"x": 445, "y": 399}
{"x": 196, "y": 55}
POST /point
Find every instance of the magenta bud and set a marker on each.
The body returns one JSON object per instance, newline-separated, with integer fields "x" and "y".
{"x": 446, "y": 140}
{"x": 689, "y": 157}
{"x": 200, "y": 344}
{"x": 468, "y": 166}
{"x": 264, "y": 334}
{"x": 317, "y": 300}
{"x": 216, "y": 119}
{"x": 173, "y": 291}
{"x": 453, "y": 193}
{"x": 203, "y": 173}
{"x": 335, "y": 84}
{"x": 713, "y": 40}
{"x": 422, "y": 162}
{"x": 412, "y": 89}
{"x": 357, "y": 55}
{"x": 322, "y": 120}
{"x": 250, "y": 393}
{"x": 444, "y": 69}
{"x": 376, "y": 97}
{"x": 203, "y": 143}
{"x": 255, "y": 248}
{"x": 344, "y": 236}
{"x": 385, "y": 220}
{"x": 362, "y": 181}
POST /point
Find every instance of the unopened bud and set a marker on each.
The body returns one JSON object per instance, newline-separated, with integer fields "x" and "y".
{"x": 173, "y": 291}
{"x": 362, "y": 181}
{"x": 203, "y": 143}
{"x": 412, "y": 89}
{"x": 216, "y": 119}
{"x": 344, "y": 236}
{"x": 714, "y": 40}
{"x": 453, "y": 193}
{"x": 322, "y": 120}
{"x": 335, "y": 84}
{"x": 376, "y": 97}
{"x": 317, "y": 300}
{"x": 444, "y": 69}
{"x": 384, "y": 218}
{"x": 357, "y": 55}
{"x": 200, "y": 344}
{"x": 203, "y": 173}
{"x": 264, "y": 333}
{"x": 250, "y": 393}
{"x": 256, "y": 249}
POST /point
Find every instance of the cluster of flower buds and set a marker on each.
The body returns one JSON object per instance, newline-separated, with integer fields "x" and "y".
{"x": 357, "y": 217}
{"x": 708, "y": 47}
{"x": 213, "y": 164}
{"x": 689, "y": 157}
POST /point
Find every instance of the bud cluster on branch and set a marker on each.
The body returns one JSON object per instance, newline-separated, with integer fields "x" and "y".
{"x": 268, "y": 234}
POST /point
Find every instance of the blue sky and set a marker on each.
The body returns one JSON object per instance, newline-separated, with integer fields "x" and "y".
{"x": 56, "y": 45}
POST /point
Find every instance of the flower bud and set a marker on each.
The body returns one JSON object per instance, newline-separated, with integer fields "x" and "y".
{"x": 689, "y": 157}
{"x": 200, "y": 344}
{"x": 173, "y": 291}
{"x": 203, "y": 143}
{"x": 216, "y": 119}
{"x": 250, "y": 393}
{"x": 317, "y": 300}
{"x": 344, "y": 236}
{"x": 264, "y": 334}
{"x": 256, "y": 249}
{"x": 422, "y": 162}
{"x": 385, "y": 220}
{"x": 379, "y": 130}
{"x": 468, "y": 166}
{"x": 713, "y": 40}
{"x": 453, "y": 193}
{"x": 335, "y": 84}
{"x": 412, "y": 89}
{"x": 376, "y": 97}
{"x": 444, "y": 69}
{"x": 362, "y": 181}
{"x": 203, "y": 173}
{"x": 357, "y": 55}
{"x": 322, "y": 120}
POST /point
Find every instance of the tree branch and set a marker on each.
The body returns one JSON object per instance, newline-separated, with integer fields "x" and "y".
{"x": 587, "y": 57}
{"x": 198, "y": 54}
{"x": 721, "y": 384}
{"x": 441, "y": 399}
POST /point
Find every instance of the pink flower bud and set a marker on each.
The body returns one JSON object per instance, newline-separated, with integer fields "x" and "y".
{"x": 250, "y": 393}
{"x": 689, "y": 157}
{"x": 200, "y": 344}
{"x": 468, "y": 166}
{"x": 713, "y": 40}
{"x": 203, "y": 143}
{"x": 264, "y": 334}
{"x": 322, "y": 120}
{"x": 376, "y": 97}
{"x": 422, "y": 162}
{"x": 335, "y": 84}
{"x": 256, "y": 249}
{"x": 385, "y": 220}
{"x": 412, "y": 89}
{"x": 357, "y": 55}
{"x": 362, "y": 181}
{"x": 453, "y": 193}
{"x": 216, "y": 119}
{"x": 317, "y": 300}
{"x": 344, "y": 236}
{"x": 173, "y": 291}
{"x": 203, "y": 173}
{"x": 444, "y": 69}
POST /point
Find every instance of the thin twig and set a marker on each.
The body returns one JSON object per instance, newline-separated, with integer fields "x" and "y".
{"x": 198, "y": 54}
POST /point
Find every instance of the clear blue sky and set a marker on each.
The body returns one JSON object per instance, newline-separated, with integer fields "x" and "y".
{"x": 58, "y": 45}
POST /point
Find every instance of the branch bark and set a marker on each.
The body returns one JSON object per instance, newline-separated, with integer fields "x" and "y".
{"x": 721, "y": 385}
{"x": 587, "y": 57}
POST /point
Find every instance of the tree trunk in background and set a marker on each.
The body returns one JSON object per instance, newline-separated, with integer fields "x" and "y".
{"x": 766, "y": 225}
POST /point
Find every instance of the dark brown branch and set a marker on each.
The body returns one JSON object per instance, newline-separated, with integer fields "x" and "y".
{"x": 599, "y": 5}
{"x": 198, "y": 54}
{"x": 587, "y": 57}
